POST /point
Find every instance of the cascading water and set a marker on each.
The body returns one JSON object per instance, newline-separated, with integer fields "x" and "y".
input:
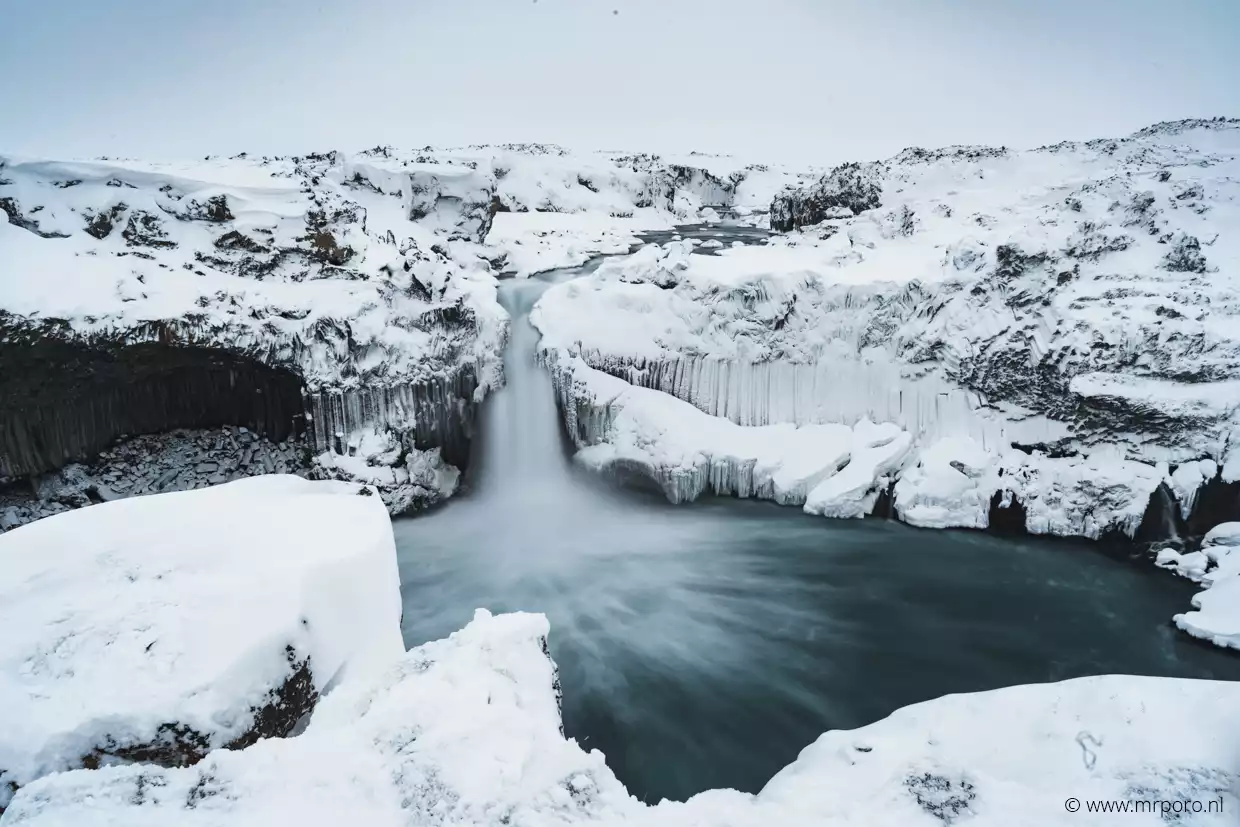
{"x": 524, "y": 464}
{"x": 704, "y": 646}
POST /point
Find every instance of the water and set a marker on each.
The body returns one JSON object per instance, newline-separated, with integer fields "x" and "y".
{"x": 704, "y": 646}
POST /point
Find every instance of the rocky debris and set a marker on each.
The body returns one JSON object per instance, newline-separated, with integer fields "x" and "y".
{"x": 181, "y": 460}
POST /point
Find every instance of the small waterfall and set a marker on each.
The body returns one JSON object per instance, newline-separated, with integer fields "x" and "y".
{"x": 524, "y": 461}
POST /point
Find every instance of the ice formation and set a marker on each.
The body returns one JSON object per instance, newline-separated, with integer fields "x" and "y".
{"x": 830, "y": 469}
{"x": 1067, "y": 317}
{"x": 157, "y": 629}
{"x": 467, "y": 731}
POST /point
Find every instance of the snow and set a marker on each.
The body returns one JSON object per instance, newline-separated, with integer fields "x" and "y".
{"x": 466, "y": 731}
{"x": 955, "y": 480}
{"x": 369, "y": 275}
{"x": 950, "y": 486}
{"x": 1216, "y": 611}
{"x": 188, "y": 610}
{"x": 1079, "y": 301}
{"x": 536, "y": 242}
{"x": 1187, "y": 479}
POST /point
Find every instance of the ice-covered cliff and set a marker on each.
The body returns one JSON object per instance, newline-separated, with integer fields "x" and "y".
{"x": 315, "y": 294}
{"x": 347, "y": 300}
{"x": 1070, "y": 312}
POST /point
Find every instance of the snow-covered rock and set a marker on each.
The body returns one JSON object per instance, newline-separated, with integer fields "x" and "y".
{"x": 467, "y": 731}
{"x": 333, "y": 294}
{"x": 317, "y": 294}
{"x": 1216, "y": 615}
{"x": 157, "y": 629}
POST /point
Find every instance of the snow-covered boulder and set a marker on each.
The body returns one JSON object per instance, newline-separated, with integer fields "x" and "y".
{"x": 466, "y": 731}
{"x": 157, "y": 629}
{"x": 1216, "y": 611}
{"x": 460, "y": 731}
{"x": 457, "y": 200}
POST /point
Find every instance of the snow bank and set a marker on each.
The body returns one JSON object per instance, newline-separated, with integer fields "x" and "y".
{"x": 466, "y": 731}
{"x": 459, "y": 731}
{"x": 834, "y": 470}
{"x": 955, "y": 482}
{"x": 1216, "y": 615}
{"x": 159, "y": 628}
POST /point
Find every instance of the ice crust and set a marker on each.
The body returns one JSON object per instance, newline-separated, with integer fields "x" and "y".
{"x": 166, "y": 625}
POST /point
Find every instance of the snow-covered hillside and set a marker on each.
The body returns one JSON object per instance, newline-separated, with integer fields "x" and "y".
{"x": 467, "y": 731}
{"x": 1058, "y": 329}
{"x": 350, "y": 297}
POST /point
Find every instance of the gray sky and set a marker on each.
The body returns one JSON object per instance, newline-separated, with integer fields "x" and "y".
{"x": 816, "y": 80}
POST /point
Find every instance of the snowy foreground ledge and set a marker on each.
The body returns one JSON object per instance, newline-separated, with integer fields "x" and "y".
{"x": 466, "y": 731}
{"x": 157, "y": 629}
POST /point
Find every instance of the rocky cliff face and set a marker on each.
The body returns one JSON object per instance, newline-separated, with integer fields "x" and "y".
{"x": 1050, "y": 307}
{"x": 342, "y": 305}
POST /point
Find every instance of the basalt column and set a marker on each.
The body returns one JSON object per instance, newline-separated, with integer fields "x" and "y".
{"x": 61, "y": 401}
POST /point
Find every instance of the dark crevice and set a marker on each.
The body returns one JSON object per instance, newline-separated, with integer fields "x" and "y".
{"x": 61, "y": 401}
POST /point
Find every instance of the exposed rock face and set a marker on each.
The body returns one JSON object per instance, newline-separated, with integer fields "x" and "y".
{"x": 65, "y": 399}
{"x": 850, "y": 189}
{"x": 181, "y": 460}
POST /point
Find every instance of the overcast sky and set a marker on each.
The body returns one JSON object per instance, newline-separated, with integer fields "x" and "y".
{"x": 802, "y": 80}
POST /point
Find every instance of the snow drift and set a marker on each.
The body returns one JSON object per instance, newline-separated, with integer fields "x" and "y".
{"x": 467, "y": 731}
{"x": 157, "y": 629}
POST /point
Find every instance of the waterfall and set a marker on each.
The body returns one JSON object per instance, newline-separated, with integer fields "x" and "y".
{"x": 524, "y": 454}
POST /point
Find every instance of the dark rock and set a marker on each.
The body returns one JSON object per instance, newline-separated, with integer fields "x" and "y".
{"x": 1007, "y": 516}
{"x": 852, "y": 187}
